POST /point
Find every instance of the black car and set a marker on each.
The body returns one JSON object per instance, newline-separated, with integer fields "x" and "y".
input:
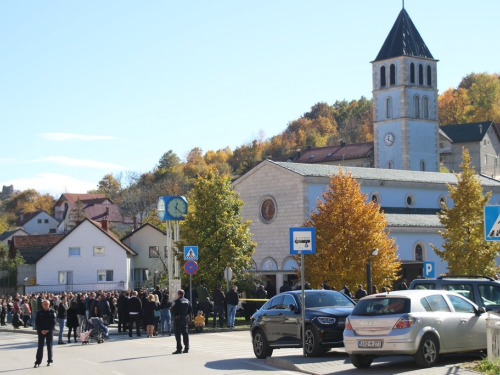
{"x": 278, "y": 322}
{"x": 482, "y": 290}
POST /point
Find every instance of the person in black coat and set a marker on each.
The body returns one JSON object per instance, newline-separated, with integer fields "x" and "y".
{"x": 45, "y": 324}
{"x": 149, "y": 314}
{"x": 135, "y": 314}
{"x": 219, "y": 299}
{"x": 122, "y": 305}
{"x": 181, "y": 310}
{"x": 72, "y": 320}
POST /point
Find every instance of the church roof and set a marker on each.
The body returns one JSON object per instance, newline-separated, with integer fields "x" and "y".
{"x": 413, "y": 220}
{"x": 463, "y": 133}
{"x": 403, "y": 40}
{"x": 336, "y": 153}
{"x": 325, "y": 170}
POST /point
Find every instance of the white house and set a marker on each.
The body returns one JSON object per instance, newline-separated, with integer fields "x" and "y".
{"x": 6, "y": 236}
{"x": 87, "y": 258}
{"x": 150, "y": 245}
{"x": 39, "y": 222}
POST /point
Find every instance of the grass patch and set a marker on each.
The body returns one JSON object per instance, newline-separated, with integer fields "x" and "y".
{"x": 485, "y": 367}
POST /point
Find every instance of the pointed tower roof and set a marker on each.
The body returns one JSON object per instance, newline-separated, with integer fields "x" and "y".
{"x": 404, "y": 40}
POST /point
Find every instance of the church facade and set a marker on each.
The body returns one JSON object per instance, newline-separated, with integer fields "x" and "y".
{"x": 405, "y": 180}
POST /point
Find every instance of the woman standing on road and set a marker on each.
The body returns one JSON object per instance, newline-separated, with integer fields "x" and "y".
{"x": 72, "y": 321}
{"x": 149, "y": 314}
{"x": 61, "y": 318}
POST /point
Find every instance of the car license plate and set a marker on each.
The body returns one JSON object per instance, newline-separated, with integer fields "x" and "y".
{"x": 370, "y": 343}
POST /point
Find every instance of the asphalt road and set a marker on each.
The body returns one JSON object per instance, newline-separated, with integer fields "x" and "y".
{"x": 210, "y": 353}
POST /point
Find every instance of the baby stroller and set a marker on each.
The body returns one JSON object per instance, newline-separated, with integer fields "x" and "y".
{"x": 93, "y": 329}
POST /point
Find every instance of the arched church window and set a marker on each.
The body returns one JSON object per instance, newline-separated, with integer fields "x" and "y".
{"x": 382, "y": 76}
{"x": 425, "y": 103}
{"x": 416, "y": 106}
{"x": 390, "y": 165}
{"x": 388, "y": 109}
{"x": 392, "y": 74}
{"x": 422, "y": 165}
{"x": 420, "y": 74}
{"x": 412, "y": 73}
{"x": 419, "y": 252}
{"x": 429, "y": 76}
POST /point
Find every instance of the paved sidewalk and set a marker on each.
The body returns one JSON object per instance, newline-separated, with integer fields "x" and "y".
{"x": 337, "y": 362}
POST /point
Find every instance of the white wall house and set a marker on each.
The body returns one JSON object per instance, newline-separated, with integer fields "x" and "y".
{"x": 6, "y": 236}
{"x": 88, "y": 258}
{"x": 39, "y": 222}
{"x": 149, "y": 243}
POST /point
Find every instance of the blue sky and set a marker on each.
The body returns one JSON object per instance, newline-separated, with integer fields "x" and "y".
{"x": 95, "y": 87}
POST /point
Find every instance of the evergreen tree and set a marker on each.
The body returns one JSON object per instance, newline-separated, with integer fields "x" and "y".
{"x": 465, "y": 248}
{"x": 77, "y": 213}
{"x": 348, "y": 229}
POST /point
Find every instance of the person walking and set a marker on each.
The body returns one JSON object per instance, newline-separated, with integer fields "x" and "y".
{"x": 135, "y": 314}
{"x": 61, "y": 318}
{"x": 219, "y": 298}
{"x": 45, "y": 324}
{"x": 181, "y": 310}
{"x": 232, "y": 299}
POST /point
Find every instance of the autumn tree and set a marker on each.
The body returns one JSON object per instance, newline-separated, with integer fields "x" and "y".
{"x": 215, "y": 225}
{"x": 30, "y": 200}
{"x": 109, "y": 186}
{"x": 465, "y": 248}
{"x": 348, "y": 228}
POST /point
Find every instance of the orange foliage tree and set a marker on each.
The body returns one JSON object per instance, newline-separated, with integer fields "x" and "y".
{"x": 348, "y": 228}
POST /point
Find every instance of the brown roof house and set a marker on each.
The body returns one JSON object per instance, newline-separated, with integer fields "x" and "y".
{"x": 6, "y": 236}
{"x": 89, "y": 257}
{"x": 95, "y": 207}
{"x": 38, "y": 222}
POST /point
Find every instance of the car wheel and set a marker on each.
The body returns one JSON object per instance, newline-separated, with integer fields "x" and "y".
{"x": 428, "y": 352}
{"x": 261, "y": 348}
{"x": 312, "y": 347}
{"x": 361, "y": 361}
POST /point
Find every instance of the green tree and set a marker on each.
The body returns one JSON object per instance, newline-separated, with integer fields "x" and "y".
{"x": 9, "y": 265}
{"x": 77, "y": 213}
{"x": 215, "y": 225}
{"x": 343, "y": 245}
{"x": 109, "y": 186}
{"x": 465, "y": 248}
{"x": 168, "y": 160}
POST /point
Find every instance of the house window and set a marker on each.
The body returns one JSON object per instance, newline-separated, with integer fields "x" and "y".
{"x": 99, "y": 251}
{"x": 416, "y": 104}
{"x": 429, "y": 75}
{"x": 420, "y": 74}
{"x": 52, "y": 230}
{"x": 484, "y": 143}
{"x": 74, "y": 251}
{"x": 39, "y": 221}
{"x": 425, "y": 103}
{"x": 104, "y": 275}
{"x": 419, "y": 252}
{"x": 382, "y": 76}
{"x": 390, "y": 165}
{"x": 62, "y": 277}
{"x": 485, "y": 159}
{"x": 46, "y": 221}
{"x": 392, "y": 74}
{"x": 154, "y": 251}
{"x": 388, "y": 109}
{"x": 166, "y": 252}
{"x": 409, "y": 200}
{"x": 422, "y": 165}
{"x": 412, "y": 73}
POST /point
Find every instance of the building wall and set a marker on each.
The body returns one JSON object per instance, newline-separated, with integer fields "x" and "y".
{"x": 84, "y": 267}
{"x": 140, "y": 241}
{"x": 34, "y": 227}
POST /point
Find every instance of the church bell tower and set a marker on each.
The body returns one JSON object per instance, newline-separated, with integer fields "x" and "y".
{"x": 405, "y": 101}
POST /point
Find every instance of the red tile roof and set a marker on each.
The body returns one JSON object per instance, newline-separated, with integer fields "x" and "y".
{"x": 72, "y": 198}
{"x": 33, "y": 247}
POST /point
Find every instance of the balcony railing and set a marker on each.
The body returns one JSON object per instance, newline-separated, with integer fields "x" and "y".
{"x": 58, "y": 288}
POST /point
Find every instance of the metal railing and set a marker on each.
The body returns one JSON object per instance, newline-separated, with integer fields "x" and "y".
{"x": 58, "y": 288}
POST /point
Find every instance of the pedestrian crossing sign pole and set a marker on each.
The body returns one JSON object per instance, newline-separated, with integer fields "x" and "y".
{"x": 492, "y": 223}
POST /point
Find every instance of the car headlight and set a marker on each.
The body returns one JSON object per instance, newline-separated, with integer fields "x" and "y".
{"x": 324, "y": 320}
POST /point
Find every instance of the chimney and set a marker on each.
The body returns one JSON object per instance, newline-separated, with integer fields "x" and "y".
{"x": 480, "y": 129}
{"x": 135, "y": 222}
{"x": 104, "y": 225}
{"x": 107, "y": 210}
{"x": 342, "y": 143}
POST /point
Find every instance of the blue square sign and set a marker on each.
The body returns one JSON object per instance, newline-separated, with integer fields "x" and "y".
{"x": 303, "y": 240}
{"x": 190, "y": 252}
{"x": 492, "y": 223}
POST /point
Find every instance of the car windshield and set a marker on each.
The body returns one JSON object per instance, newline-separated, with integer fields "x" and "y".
{"x": 382, "y": 306}
{"x": 327, "y": 299}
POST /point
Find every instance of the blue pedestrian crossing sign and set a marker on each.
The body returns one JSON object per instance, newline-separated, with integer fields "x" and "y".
{"x": 303, "y": 240}
{"x": 190, "y": 252}
{"x": 492, "y": 223}
{"x": 429, "y": 268}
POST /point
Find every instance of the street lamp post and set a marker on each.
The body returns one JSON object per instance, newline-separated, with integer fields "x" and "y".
{"x": 369, "y": 271}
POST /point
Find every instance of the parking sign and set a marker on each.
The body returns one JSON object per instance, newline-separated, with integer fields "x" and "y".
{"x": 429, "y": 269}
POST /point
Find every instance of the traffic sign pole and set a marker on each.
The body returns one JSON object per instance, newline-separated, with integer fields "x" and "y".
{"x": 302, "y": 284}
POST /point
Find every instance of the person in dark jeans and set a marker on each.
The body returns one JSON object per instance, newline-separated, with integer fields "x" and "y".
{"x": 45, "y": 324}
{"x": 135, "y": 314}
{"x": 219, "y": 300}
{"x": 122, "y": 306}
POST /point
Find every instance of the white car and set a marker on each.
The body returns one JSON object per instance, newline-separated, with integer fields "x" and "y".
{"x": 421, "y": 323}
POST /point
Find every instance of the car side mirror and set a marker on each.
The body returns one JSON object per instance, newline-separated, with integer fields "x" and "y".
{"x": 294, "y": 308}
{"x": 480, "y": 310}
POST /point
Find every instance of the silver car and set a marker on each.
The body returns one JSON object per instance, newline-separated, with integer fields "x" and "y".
{"x": 421, "y": 323}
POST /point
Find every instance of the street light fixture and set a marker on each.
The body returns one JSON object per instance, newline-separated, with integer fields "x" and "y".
{"x": 369, "y": 271}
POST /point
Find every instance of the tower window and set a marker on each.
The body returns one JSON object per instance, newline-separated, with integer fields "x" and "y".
{"x": 392, "y": 74}
{"x": 420, "y": 74}
{"x": 422, "y": 165}
{"x": 429, "y": 76}
{"x": 388, "y": 110}
{"x": 382, "y": 76}
{"x": 425, "y": 103}
{"x": 416, "y": 105}
{"x": 390, "y": 165}
{"x": 412, "y": 73}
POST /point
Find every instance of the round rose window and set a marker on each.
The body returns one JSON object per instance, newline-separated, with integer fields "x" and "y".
{"x": 268, "y": 210}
